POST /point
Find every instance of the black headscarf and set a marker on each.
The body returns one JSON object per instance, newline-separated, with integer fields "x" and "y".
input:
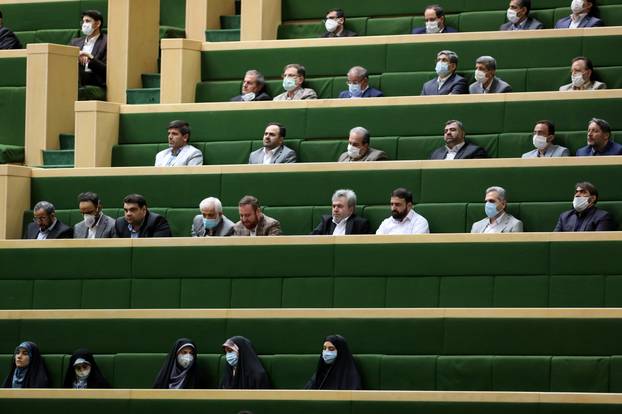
{"x": 95, "y": 379}
{"x": 342, "y": 374}
{"x": 172, "y": 375}
{"x": 249, "y": 373}
{"x": 35, "y": 375}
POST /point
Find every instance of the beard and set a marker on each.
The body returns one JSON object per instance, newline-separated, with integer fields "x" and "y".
{"x": 399, "y": 216}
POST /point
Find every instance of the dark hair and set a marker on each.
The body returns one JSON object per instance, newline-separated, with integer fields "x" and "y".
{"x": 90, "y": 197}
{"x": 602, "y": 124}
{"x": 340, "y": 12}
{"x": 549, "y": 125}
{"x": 250, "y": 200}
{"x": 282, "y": 129}
{"x": 588, "y": 64}
{"x": 299, "y": 68}
{"x": 586, "y": 185}
{"x": 135, "y": 199}
{"x": 525, "y": 3}
{"x": 182, "y": 126}
{"x": 403, "y": 193}
{"x": 437, "y": 9}
{"x": 95, "y": 15}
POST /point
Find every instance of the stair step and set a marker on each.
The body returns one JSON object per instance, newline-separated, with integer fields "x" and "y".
{"x": 223, "y": 35}
{"x": 150, "y": 80}
{"x": 67, "y": 141}
{"x": 230, "y": 22}
{"x": 58, "y": 158}
{"x": 56, "y": 166}
{"x": 143, "y": 96}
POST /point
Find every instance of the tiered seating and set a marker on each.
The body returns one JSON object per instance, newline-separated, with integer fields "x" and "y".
{"x": 12, "y": 106}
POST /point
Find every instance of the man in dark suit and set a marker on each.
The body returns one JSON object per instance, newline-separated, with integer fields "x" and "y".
{"x": 139, "y": 222}
{"x": 434, "y": 21}
{"x": 599, "y": 140}
{"x": 344, "y": 219}
{"x": 253, "y": 88}
{"x": 334, "y": 24}
{"x": 518, "y": 17}
{"x": 45, "y": 224}
{"x": 93, "y": 50}
{"x": 8, "y": 40}
{"x": 581, "y": 16}
{"x": 456, "y": 147}
{"x": 448, "y": 81}
{"x": 358, "y": 85}
{"x": 485, "y": 79}
{"x": 584, "y": 215}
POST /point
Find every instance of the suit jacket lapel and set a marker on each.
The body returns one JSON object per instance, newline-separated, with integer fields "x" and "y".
{"x": 350, "y": 224}
{"x": 277, "y": 154}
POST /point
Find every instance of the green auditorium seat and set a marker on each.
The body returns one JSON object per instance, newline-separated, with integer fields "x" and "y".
{"x": 520, "y": 373}
{"x": 588, "y": 374}
{"x": 481, "y": 21}
{"x": 389, "y": 26}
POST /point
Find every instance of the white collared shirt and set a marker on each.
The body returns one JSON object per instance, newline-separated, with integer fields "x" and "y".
{"x": 574, "y": 24}
{"x": 93, "y": 230}
{"x": 452, "y": 152}
{"x": 43, "y": 235}
{"x": 340, "y": 228}
{"x": 413, "y": 223}
{"x": 268, "y": 155}
{"x": 88, "y": 47}
{"x": 494, "y": 227}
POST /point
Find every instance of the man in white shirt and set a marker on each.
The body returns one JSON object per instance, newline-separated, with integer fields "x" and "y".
{"x": 273, "y": 151}
{"x": 179, "y": 152}
{"x": 95, "y": 225}
{"x": 497, "y": 220}
{"x": 343, "y": 220}
{"x": 403, "y": 218}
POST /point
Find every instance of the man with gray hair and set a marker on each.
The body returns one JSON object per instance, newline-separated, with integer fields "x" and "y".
{"x": 253, "y": 88}
{"x": 211, "y": 221}
{"x": 448, "y": 81}
{"x": 359, "y": 149}
{"x": 45, "y": 225}
{"x": 497, "y": 220}
{"x": 485, "y": 79}
{"x": 456, "y": 147}
{"x": 344, "y": 220}
{"x": 599, "y": 140}
{"x": 358, "y": 85}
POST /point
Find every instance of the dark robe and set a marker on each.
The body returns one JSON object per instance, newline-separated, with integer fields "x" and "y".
{"x": 36, "y": 373}
{"x": 95, "y": 379}
{"x": 172, "y": 374}
{"x": 249, "y": 373}
{"x": 342, "y": 374}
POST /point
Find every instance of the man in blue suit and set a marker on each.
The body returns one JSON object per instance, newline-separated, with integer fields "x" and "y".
{"x": 434, "y": 16}
{"x": 358, "y": 85}
{"x": 581, "y": 16}
{"x": 599, "y": 140}
{"x": 448, "y": 81}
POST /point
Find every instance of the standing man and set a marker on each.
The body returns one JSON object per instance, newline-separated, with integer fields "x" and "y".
{"x": 585, "y": 216}
{"x": 273, "y": 151}
{"x": 518, "y": 17}
{"x": 253, "y": 222}
{"x": 96, "y": 225}
{"x": 434, "y": 16}
{"x": 456, "y": 147}
{"x": 497, "y": 220}
{"x": 599, "y": 140}
{"x": 403, "y": 218}
{"x": 179, "y": 153}
{"x": 139, "y": 222}
{"x": 253, "y": 88}
{"x": 543, "y": 138}
{"x": 344, "y": 220}
{"x": 334, "y": 24}
{"x": 211, "y": 221}
{"x": 448, "y": 81}
{"x": 359, "y": 149}
{"x": 93, "y": 50}
{"x": 8, "y": 40}
{"x": 45, "y": 225}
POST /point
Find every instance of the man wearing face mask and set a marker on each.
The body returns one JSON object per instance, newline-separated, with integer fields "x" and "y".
{"x": 403, "y": 218}
{"x": 584, "y": 215}
{"x": 518, "y": 17}
{"x": 293, "y": 78}
{"x": 581, "y": 76}
{"x": 485, "y": 79}
{"x": 456, "y": 147}
{"x": 95, "y": 225}
{"x": 358, "y": 85}
{"x": 45, "y": 225}
{"x": 599, "y": 141}
{"x": 359, "y": 149}
{"x": 253, "y": 222}
{"x": 253, "y": 88}
{"x": 273, "y": 151}
{"x": 497, "y": 220}
{"x": 434, "y": 16}
{"x": 334, "y": 24}
{"x": 448, "y": 81}
{"x": 581, "y": 16}
{"x": 344, "y": 220}
{"x": 543, "y": 137}
{"x": 93, "y": 50}
{"x": 211, "y": 221}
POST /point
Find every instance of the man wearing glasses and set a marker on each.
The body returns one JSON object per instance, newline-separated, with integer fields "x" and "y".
{"x": 45, "y": 225}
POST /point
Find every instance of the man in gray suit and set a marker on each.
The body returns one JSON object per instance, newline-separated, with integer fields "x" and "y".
{"x": 448, "y": 81}
{"x": 273, "y": 151}
{"x": 518, "y": 17}
{"x": 543, "y": 137}
{"x": 253, "y": 222}
{"x": 211, "y": 221}
{"x": 95, "y": 225}
{"x": 582, "y": 76}
{"x": 359, "y": 149}
{"x": 498, "y": 220}
{"x": 456, "y": 147}
{"x": 485, "y": 79}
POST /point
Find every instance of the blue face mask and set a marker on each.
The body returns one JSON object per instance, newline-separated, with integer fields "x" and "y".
{"x": 210, "y": 223}
{"x": 232, "y": 358}
{"x": 491, "y": 209}
{"x": 355, "y": 90}
{"x": 329, "y": 356}
{"x": 442, "y": 69}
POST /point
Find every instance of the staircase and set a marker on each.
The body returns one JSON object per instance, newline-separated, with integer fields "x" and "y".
{"x": 63, "y": 157}
{"x": 229, "y": 31}
{"x": 149, "y": 93}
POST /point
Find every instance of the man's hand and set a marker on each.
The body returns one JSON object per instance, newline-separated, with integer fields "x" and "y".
{"x": 84, "y": 57}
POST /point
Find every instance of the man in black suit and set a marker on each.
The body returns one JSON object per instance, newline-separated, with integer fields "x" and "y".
{"x": 456, "y": 147}
{"x": 343, "y": 220}
{"x": 448, "y": 81}
{"x": 45, "y": 224}
{"x": 139, "y": 222}
{"x": 93, "y": 50}
{"x": 584, "y": 215}
{"x": 8, "y": 40}
{"x": 434, "y": 17}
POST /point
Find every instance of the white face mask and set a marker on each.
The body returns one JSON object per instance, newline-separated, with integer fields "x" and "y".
{"x": 577, "y": 80}
{"x": 576, "y": 6}
{"x": 83, "y": 373}
{"x": 580, "y": 203}
{"x": 540, "y": 142}
{"x": 89, "y": 219}
{"x": 331, "y": 25}
{"x": 353, "y": 152}
{"x": 289, "y": 84}
{"x": 480, "y": 76}
{"x": 184, "y": 360}
{"x": 512, "y": 16}
{"x": 432, "y": 27}
{"x": 247, "y": 97}
{"x": 87, "y": 29}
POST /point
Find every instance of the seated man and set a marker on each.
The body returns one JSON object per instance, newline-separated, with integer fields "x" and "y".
{"x": 344, "y": 219}
{"x": 403, "y": 218}
{"x": 96, "y": 225}
{"x": 448, "y": 81}
{"x": 485, "y": 79}
{"x": 45, "y": 225}
{"x": 456, "y": 147}
{"x": 582, "y": 76}
{"x": 139, "y": 222}
{"x": 293, "y": 79}
{"x": 253, "y": 88}
{"x": 253, "y": 222}
{"x": 581, "y": 16}
{"x": 273, "y": 151}
{"x": 358, "y": 85}
{"x": 434, "y": 16}
{"x": 497, "y": 220}
{"x": 585, "y": 216}
{"x": 359, "y": 149}
{"x": 8, "y": 40}
{"x": 599, "y": 140}
{"x": 543, "y": 137}
{"x": 334, "y": 23}
{"x": 179, "y": 153}
{"x": 518, "y": 17}
{"x": 93, "y": 50}
{"x": 211, "y": 221}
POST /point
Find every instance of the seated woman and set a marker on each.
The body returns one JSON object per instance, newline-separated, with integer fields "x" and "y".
{"x": 27, "y": 368}
{"x": 179, "y": 370}
{"x": 336, "y": 369}
{"x": 83, "y": 372}
{"x": 243, "y": 369}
